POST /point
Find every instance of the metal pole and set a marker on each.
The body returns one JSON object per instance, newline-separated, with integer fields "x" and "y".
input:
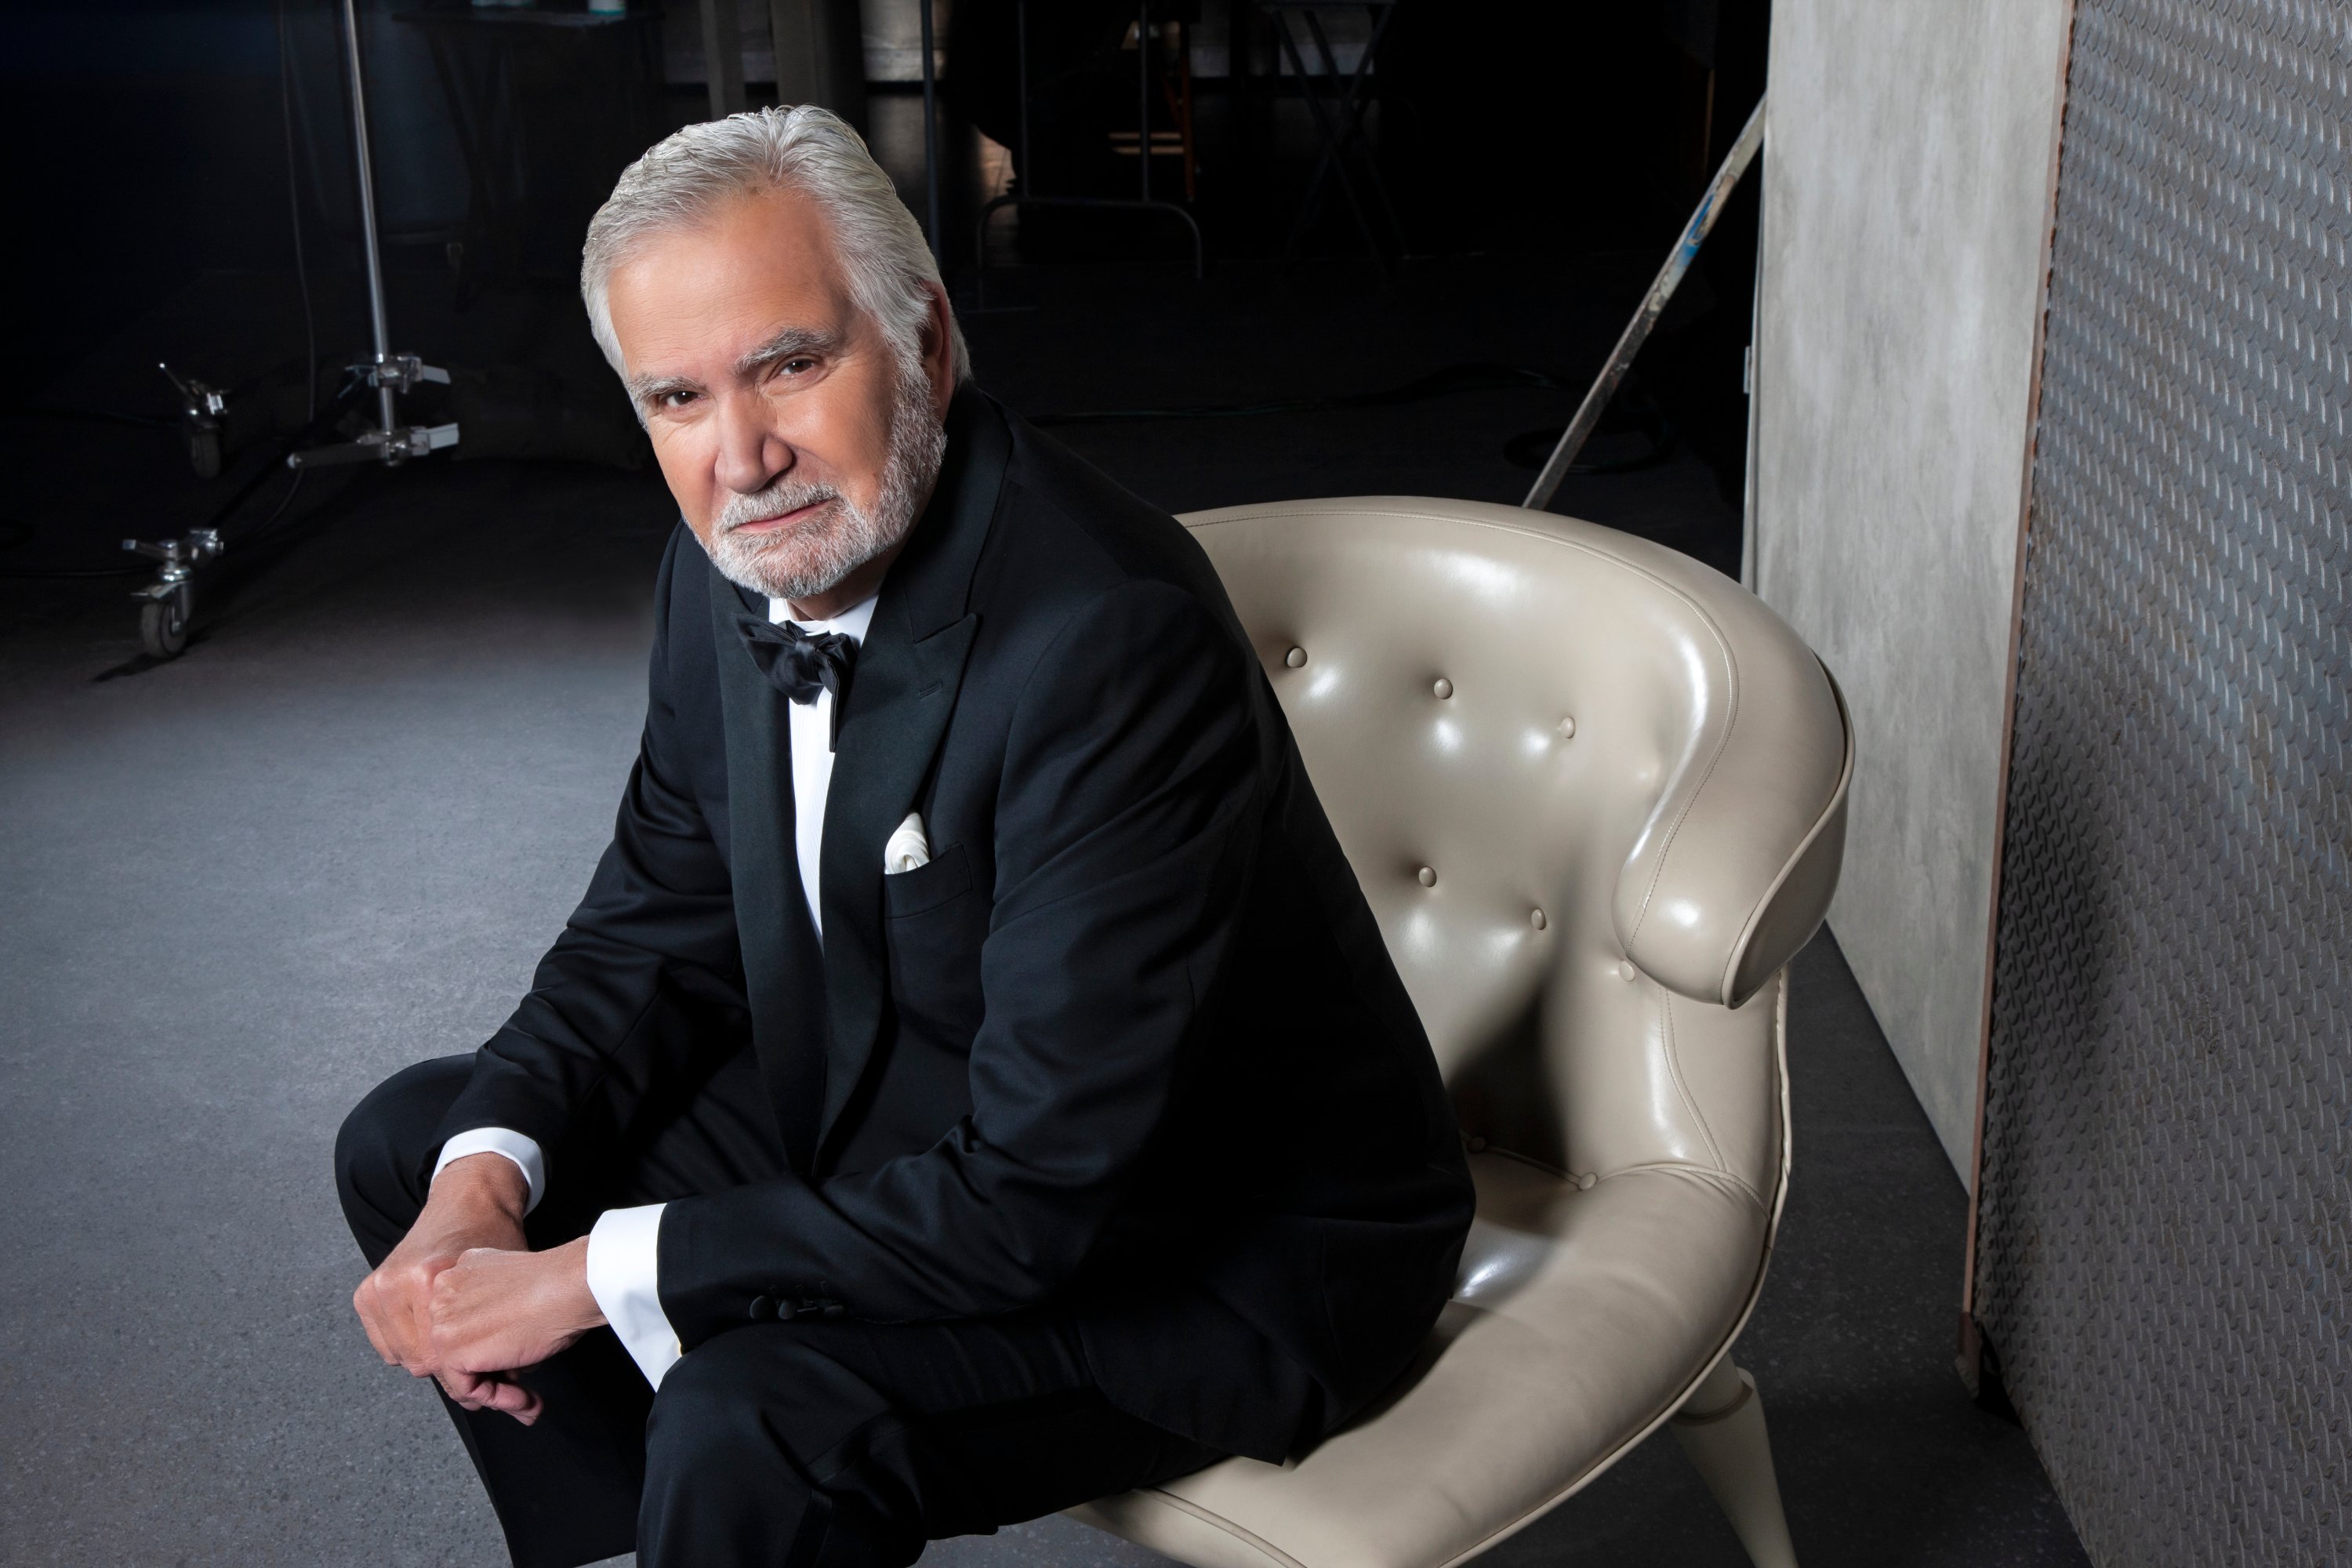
{"x": 1143, "y": 93}
{"x": 931, "y": 131}
{"x": 1748, "y": 386}
{"x": 722, "y": 55}
{"x": 1653, "y": 304}
{"x": 367, "y": 212}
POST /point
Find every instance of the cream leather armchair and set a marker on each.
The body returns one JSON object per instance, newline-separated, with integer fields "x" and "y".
{"x": 1596, "y": 794}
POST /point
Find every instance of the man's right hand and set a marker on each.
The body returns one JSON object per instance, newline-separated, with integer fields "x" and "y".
{"x": 474, "y": 1202}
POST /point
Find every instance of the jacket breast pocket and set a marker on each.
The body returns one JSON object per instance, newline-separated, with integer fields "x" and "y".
{"x": 934, "y": 921}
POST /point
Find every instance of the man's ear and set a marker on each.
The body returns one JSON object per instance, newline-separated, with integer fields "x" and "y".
{"x": 938, "y": 350}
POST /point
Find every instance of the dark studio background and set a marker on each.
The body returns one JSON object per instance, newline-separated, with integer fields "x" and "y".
{"x": 1539, "y": 158}
{"x": 331, "y": 837}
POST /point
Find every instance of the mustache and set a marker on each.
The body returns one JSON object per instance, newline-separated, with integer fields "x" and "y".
{"x": 773, "y": 501}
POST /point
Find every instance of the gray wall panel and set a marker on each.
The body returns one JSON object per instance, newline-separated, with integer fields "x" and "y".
{"x": 1907, "y": 199}
{"x": 2165, "y": 1257}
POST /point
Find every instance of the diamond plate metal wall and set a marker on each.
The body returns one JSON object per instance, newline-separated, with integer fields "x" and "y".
{"x": 2165, "y": 1246}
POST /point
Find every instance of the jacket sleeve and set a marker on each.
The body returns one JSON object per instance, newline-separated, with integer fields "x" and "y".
{"x": 646, "y": 969}
{"x": 1127, "y": 817}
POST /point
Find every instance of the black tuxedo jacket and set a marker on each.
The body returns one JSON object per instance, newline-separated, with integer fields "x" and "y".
{"x": 1129, "y": 1045}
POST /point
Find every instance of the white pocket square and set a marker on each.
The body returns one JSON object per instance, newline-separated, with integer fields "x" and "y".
{"x": 907, "y": 848}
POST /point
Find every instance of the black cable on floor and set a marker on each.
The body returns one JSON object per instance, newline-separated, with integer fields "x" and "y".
{"x": 1441, "y": 383}
{"x": 16, "y": 533}
{"x": 24, "y": 533}
{"x": 302, "y": 276}
{"x": 294, "y": 216}
{"x": 59, "y": 414}
{"x": 320, "y": 425}
{"x": 39, "y": 574}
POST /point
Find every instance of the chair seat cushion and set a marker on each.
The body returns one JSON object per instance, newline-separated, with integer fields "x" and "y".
{"x": 1581, "y": 1320}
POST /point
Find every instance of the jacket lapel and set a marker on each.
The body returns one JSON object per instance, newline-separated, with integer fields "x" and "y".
{"x": 783, "y": 971}
{"x": 908, "y": 673}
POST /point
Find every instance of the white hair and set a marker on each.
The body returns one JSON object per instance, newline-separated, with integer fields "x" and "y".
{"x": 681, "y": 180}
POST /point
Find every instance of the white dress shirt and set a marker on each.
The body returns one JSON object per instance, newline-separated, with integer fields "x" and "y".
{"x": 624, "y": 1250}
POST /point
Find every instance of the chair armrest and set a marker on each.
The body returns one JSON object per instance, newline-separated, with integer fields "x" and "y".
{"x": 1733, "y": 870}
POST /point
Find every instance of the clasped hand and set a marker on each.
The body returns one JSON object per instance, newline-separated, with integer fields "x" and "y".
{"x": 463, "y": 1299}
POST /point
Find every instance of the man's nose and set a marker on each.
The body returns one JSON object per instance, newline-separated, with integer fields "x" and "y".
{"x": 752, "y": 456}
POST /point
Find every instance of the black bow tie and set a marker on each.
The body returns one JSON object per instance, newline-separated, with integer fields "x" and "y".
{"x": 801, "y": 664}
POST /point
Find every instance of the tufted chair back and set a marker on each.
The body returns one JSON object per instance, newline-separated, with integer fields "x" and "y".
{"x": 1594, "y": 790}
{"x": 1596, "y": 795}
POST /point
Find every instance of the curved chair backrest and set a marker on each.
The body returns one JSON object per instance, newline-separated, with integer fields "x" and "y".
{"x": 1594, "y": 790}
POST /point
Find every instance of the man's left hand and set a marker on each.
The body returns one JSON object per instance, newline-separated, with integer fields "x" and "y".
{"x": 496, "y": 1311}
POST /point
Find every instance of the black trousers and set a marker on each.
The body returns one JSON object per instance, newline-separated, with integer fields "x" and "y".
{"x": 816, "y": 1442}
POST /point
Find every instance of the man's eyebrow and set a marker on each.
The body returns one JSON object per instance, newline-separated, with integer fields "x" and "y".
{"x": 787, "y": 344}
{"x": 654, "y": 388}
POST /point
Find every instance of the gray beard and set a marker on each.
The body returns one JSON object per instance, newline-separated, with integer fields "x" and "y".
{"x": 822, "y": 550}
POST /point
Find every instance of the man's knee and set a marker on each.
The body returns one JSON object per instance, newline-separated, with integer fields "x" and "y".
{"x": 768, "y": 1380}
{"x": 761, "y": 1422}
{"x": 759, "y": 1438}
{"x": 380, "y": 1150}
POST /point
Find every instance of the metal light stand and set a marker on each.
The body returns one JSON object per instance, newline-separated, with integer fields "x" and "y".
{"x": 390, "y": 373}
{"x": 202, "y": 409}
{"x": 1142, "y": 201}
{"x": 1654, "y": 305}
{"x": 931, "y": 133}
{"x": 168, "y": 603}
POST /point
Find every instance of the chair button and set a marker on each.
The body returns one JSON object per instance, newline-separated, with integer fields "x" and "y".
{"x": 1444, "y": 688}
{"x": 1295, "y": 658}
{"x": 762, "y": 1309}
{"x": 1626, "y": 970}
{"x": 1568, "y": 728}
{"x": 1536, "y": 918}
{"x": 1427, "y": 875}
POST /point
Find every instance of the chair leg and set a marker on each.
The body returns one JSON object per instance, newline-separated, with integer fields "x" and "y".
{"x": 1721, "y": 1427}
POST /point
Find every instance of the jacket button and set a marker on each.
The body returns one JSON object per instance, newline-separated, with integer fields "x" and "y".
{"x": 762, "y": 1309}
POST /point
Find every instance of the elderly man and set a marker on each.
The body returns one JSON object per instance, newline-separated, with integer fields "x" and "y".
{"x": 974, "y": 1082}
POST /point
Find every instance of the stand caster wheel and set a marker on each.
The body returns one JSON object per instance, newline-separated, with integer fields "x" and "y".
{"x": 164, "y": 626}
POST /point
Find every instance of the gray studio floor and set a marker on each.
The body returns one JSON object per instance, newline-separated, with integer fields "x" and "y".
{"x": 333, "y": 838}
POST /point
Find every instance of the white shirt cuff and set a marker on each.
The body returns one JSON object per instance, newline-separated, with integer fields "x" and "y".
{"x": 524, "y": 1151}
{"x": 625, "y": 1275}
